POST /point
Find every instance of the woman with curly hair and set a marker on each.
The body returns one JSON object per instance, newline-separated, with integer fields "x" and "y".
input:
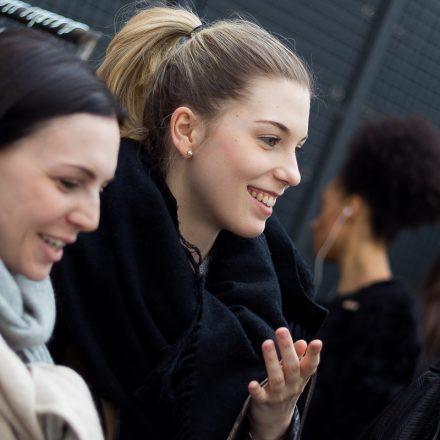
{"x": 389, "y": 182}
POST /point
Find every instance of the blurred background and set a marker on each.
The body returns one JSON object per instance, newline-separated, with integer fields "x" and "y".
{"x": 368, "y": 56}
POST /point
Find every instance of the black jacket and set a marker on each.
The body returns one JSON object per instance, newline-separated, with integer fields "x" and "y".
{"x": 414, "y": 414}
{"x": 173, "y": 350}
{"x": 371, "y": 351}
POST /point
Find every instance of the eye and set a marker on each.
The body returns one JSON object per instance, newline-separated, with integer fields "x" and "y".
{"x": 299, "y": 148}
{"x": 68, "y": 184}
{"x": 270, "y": 141}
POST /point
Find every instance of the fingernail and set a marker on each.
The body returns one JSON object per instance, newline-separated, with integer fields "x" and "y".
{"x": 268, "y": 345}
{"x": 283, "y": 332}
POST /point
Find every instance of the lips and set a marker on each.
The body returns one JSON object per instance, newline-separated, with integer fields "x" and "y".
{"x": 54, "y": 242}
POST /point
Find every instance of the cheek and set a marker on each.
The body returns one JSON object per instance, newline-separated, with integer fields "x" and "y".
{"x": 46, "y": 206}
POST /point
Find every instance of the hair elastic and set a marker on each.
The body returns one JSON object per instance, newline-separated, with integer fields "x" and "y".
{"x": 196, "y": 29}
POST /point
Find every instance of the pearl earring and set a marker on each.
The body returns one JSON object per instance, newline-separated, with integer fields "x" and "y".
{"x": 189, "y": 154}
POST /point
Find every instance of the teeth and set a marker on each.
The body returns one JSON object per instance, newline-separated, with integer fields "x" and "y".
{"x": 53, "y": 242}
{"x": 263, "y": 198}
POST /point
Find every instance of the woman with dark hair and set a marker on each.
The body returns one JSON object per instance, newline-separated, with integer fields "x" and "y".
{"x": 59, "y": 138}
{"x": 388, "y": 182}
{"x": 189, "y": 275}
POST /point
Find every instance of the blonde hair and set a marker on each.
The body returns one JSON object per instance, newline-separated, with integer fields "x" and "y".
{"x": 156, "y": 64}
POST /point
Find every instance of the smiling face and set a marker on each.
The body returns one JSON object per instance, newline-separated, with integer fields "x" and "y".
{"x": 245, "y": 160}
{"x": 49, "y": 189}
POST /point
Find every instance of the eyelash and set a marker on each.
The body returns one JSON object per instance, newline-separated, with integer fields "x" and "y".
{"x": 71, "y": 185}
{"x": 68, "y": 184}
{"x": 268, "y": 139}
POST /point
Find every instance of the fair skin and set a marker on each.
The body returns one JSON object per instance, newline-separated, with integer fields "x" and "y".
{"x": 247, "y": 152}
{"x": 362, "y": 258}
{"x": 50, "y": 182}
{"x": 242, "y": 162}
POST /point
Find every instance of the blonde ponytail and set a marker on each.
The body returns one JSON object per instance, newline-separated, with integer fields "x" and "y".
{"x": 134, "y": 55}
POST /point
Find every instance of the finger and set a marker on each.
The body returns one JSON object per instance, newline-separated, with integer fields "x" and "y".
{"x": 300, "y": 347}
{"x": 275, "y": 374}
{"x": 290, "y": 360}
{"x": 257, "y": 392}
{"x": 309, "y": 363}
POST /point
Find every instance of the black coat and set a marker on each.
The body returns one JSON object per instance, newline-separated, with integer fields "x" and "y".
{"x": 371, "y": 351}
{"x": 173, "y": 350}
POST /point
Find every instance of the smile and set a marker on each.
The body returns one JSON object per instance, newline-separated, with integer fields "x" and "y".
{"x": 52, "y": 242}
{"x": 263, "y": 197}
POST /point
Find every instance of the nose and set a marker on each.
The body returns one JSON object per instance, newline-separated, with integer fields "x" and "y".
{"x": 85, "y": 215}
{"x": 288, "y": 171}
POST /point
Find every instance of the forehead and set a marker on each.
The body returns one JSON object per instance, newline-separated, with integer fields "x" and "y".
{"x": 276, "y": 99}
{"x": 80, "y": 139}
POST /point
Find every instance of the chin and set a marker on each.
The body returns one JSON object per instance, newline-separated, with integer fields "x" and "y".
{"x": 249, "y": 231}
{"x": 36, "y": 273}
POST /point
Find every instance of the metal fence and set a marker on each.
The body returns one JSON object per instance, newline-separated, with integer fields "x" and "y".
{"x": 369, "y": 56}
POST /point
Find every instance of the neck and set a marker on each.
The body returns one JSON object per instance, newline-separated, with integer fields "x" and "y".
{"x": 195, "y": 227}
{"x": 195, "y": 231}
{"x": 362, "y": 264}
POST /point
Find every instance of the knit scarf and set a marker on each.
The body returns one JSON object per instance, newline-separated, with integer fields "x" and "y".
{"x": 27, "y": 315}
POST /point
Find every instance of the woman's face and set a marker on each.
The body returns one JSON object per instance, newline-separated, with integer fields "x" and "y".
{"x": 49, "y": 189}
{"x": 332, "y": 205}
{"x": 248, "y": 157}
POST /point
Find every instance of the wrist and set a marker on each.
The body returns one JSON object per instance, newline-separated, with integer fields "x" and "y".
{"x": 270, "y": 428}
{"x": 275, "y": 431}
{"x": 252, "y": 437}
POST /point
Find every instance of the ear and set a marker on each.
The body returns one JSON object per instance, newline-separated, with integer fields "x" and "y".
{"x": 184, "y": 128}
{"x": 356, "y": 205}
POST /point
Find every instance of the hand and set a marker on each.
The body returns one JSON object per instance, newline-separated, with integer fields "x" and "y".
{"x": 273, "y": 404}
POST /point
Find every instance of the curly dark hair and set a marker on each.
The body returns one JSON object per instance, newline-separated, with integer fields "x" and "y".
{"x": 393, "y": 163}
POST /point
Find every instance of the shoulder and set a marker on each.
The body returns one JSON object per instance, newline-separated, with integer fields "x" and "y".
{"x": 138, "y": 191}
{"x": 133, "y": 172}
{"x": 393, "y": 294}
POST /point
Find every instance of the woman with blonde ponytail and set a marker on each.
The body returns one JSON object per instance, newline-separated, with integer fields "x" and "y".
{"x": 190, "y": 294}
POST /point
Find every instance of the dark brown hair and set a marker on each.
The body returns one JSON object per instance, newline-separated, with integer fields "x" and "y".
{"x": 41, "y": 79}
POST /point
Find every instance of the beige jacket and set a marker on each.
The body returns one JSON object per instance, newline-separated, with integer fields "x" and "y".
{"x": 44, "y": 402}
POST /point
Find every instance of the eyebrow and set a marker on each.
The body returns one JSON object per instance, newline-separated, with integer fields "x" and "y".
{"x": 282, "y": 127}
{"x": 84, "y": 170}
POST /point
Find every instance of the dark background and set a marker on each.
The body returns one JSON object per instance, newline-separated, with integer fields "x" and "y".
{"x": 369, "y": 56}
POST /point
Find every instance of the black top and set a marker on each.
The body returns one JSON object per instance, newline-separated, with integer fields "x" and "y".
{"x": 371, "y": 351}
{"x": 174, "y": 350}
